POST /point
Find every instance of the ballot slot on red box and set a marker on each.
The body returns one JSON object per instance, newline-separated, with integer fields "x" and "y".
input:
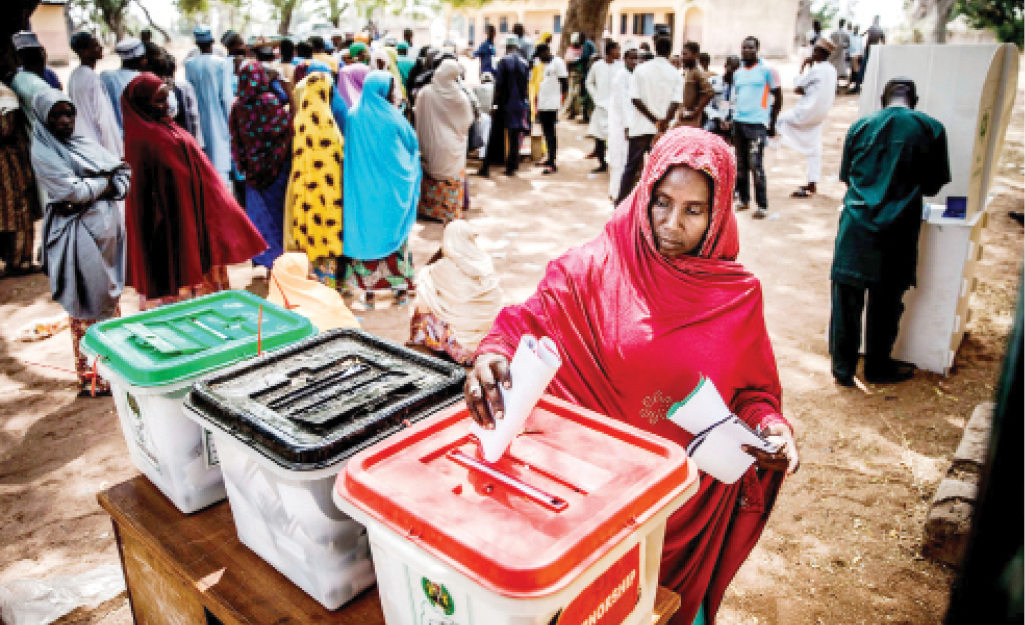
{"x": 152, "y": 358}
{"x": 567, "y": 525}
{"x": 284, "y": 426}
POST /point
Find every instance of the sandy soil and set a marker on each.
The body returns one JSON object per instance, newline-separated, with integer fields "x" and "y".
{"x": 843, "y": 544}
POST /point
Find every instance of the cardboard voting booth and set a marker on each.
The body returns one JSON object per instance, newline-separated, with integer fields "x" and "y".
{"x": 970, "y": 89}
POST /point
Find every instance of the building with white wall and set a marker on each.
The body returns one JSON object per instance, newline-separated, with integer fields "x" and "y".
{"x": 718, "y": 25}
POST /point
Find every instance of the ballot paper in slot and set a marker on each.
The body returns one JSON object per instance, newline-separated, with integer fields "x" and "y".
{"x": 533, "y": 366}
{"x": 718, "y": 434}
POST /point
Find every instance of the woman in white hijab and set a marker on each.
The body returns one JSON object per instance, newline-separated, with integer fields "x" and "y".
{"x": 444, "y": 115}
{"x": 83, "y": 231}
{"x": 457, "y": 296}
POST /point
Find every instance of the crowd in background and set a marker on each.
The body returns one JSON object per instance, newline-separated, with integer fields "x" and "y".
{"x": 331, "y": 148}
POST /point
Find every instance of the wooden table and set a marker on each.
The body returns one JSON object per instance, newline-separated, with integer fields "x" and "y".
{"x": 184, "y": 569}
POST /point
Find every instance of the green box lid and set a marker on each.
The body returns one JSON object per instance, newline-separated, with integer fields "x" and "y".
{"x": 185, "y": 340}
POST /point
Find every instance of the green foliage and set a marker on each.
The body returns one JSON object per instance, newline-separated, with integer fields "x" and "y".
{"x": 825, "y": 11}
{"x": 192, "y": 7}
{"x": 335, "y": 8}
{"x": 109, "y": 13}
{"x": 1004, "y": 17}
{"x": 466, "y": 4}
{"x": 282, "y": 7}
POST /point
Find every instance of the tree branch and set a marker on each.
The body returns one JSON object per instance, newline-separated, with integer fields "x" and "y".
{"x": 149, "y": 19}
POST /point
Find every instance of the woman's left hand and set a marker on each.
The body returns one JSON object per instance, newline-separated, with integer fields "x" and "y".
{"x": 786, "y": 459}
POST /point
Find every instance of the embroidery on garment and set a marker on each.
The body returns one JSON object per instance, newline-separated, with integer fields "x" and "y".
{"x": 656, "y": 407}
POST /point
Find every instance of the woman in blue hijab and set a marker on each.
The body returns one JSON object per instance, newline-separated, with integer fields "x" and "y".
{"x": 382, "y": 189}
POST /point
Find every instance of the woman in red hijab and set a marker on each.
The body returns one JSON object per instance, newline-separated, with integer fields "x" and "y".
{"x": 640, "y": 314}
{"x": 184, "y": 227}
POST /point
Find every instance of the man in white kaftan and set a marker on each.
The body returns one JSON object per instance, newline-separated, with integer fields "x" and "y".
{"x": 801, "y": 127}
{"x": 619, "y": 110}
{"x": 599, "y": 87}
{"x": 211, "y": 77}
{"x": 95, "y": 114}
{"x": 133, "y": 61}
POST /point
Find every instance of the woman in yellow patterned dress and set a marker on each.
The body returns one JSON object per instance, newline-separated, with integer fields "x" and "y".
{"x": 315, "y": 190}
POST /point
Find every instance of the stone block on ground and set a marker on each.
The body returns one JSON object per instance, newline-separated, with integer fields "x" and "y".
{"x": 949, "y": 522}
{"x": 975, "y": 441}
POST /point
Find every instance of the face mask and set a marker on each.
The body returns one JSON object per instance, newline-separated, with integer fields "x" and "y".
{"x": 172, "y": 104}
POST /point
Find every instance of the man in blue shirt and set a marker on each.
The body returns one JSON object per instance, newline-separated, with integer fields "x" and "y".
{"x": 133, "y": 61}
{"x": 212, "y": 76}
{"x": 757, "y": 100}
{"x": 486, "y": 51}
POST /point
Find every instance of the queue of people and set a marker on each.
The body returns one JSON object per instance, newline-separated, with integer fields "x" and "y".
{"x": 316, "y": 160}
{"x": 243, "y": 156}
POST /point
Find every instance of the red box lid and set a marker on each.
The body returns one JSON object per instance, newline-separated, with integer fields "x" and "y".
{"x": 569, "y": 489}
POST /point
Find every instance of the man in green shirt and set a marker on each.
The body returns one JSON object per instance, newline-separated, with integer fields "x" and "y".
{"x": 891, "y": 159}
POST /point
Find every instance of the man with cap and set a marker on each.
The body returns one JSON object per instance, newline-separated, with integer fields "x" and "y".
{"x": 211, "y": 76}
{"x": 801, "y": 127}
{"x": 94, "y": 114}
{"x": 218, "y": 49}
{"x": 404, "y": 61}
{"x": 133, "y": 61}
{"x": 358, "y": 53}
{"x": 26, "y": 84}
{"x": 891, "y": 159}
{"x": 338, "y": 42}
{"x": 32, "y": 57}
{"x": 510, "y": 119}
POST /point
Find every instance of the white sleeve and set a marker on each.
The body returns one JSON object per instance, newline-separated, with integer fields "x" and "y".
{"x": 560, "y": 68}
{"x": 635, "y": 89}
{"x": 592, "y": 82}
{"x": 677, "y": 90}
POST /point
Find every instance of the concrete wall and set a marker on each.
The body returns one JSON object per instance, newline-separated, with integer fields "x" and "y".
{"x": 718, "y": 25}
{"x": 49, "y": 25}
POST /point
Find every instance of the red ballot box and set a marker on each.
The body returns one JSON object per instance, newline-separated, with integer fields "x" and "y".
{"x": 569, "y": 523}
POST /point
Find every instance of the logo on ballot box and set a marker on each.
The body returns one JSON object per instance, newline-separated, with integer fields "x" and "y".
{"x": 439, "y": 605}
{"x": 611, "y": 598}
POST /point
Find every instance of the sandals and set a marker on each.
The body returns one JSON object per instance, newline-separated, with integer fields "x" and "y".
{"x": 803, "y": 192}
{"x": 549, "y": 169}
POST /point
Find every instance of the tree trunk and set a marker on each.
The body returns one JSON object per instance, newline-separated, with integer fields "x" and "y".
{"x": 934, "y": 16}
{"x": 286, "y": 17}
{"x": 943, "y": 9}
{"x": 584, "y": 16}
{"x": 804, "y": 21}
{"x": 18, "y": 11}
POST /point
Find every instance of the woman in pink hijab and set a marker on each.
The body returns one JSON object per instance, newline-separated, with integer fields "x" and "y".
{"x": 351, "y": 77}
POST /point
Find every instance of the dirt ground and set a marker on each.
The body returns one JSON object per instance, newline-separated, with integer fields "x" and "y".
{"x": 843, "y": 544}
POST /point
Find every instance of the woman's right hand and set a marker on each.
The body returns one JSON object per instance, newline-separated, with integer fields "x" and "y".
{"x": 481, "y": 389}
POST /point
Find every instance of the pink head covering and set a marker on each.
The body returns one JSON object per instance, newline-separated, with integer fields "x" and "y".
{"x": 638, "y": 330}
{"x": 350, "y": 82}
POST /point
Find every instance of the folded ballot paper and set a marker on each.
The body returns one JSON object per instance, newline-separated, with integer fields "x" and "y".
{"x": 718, "y": 434}
{"x": 533, "y": 366}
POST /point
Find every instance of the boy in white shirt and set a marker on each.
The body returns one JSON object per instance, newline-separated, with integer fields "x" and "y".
{"x": 554, "y": 87}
